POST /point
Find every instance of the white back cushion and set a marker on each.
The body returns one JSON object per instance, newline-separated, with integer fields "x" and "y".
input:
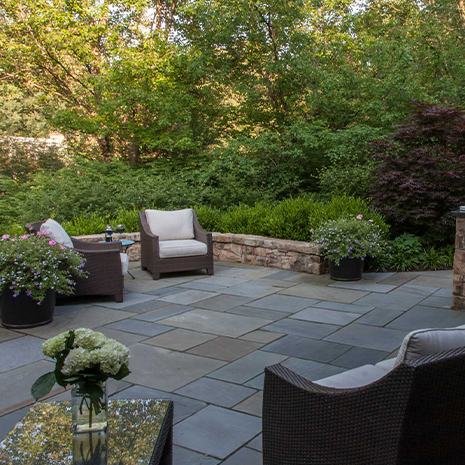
{"x": 56, "y": 232}
{"x": 429, "y": 341}
{"x": 171, "y": 225}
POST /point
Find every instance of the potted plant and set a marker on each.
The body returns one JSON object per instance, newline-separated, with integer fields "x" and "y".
{"x": 32, "y": 269}
{"x": 84, "y": 360}
{"x": 346, "y": 242}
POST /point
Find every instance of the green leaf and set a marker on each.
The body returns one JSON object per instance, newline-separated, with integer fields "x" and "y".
{"x": 43, "y": 385}
{"x": 122, "y": 373}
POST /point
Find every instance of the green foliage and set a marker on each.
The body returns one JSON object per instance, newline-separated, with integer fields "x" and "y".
{"x": 407, "y": 252}
{"x": 293, "y": 218}
{"x": 34, "y": 265}
{"x": 349, "y": 238}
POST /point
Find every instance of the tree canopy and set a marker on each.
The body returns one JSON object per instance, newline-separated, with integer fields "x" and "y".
{"x": 140, "y": 79}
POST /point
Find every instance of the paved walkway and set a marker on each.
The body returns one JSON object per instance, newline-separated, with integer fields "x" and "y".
{"x": 203, "y": 341}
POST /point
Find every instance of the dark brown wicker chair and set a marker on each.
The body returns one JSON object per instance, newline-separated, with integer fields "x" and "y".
{"x": 103, "y": 264}
{"x": 415, "y": 415}
{"x": 150, "y": 252}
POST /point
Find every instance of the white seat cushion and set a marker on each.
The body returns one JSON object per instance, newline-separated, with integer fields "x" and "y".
{"x": 387, "y": 365}
{"x": 171, "y": 225}
{"x": 429, "y": 341}
{"x": 124, "y": 262}
{"x": 55, "y": 231}
{"x": 182, "y": 248}
{"x": 357, "y": 377}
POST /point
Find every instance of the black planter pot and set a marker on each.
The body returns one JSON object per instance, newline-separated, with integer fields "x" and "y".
{"x": 24, "y": 312}
{"x": 349, "y": 269}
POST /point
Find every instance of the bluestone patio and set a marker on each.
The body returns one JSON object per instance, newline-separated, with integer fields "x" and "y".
{"x": 204, "y": 341}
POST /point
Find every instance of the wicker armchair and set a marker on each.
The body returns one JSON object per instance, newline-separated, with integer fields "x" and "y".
{"x": 155, "y": 264}
{"x": 414, "y": 415}
{"x": 103, "y": 263}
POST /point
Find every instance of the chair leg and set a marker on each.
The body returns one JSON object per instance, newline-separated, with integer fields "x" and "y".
{"x": 118, "y": 297}
{"x": 155, "y": 275}
{"x": 210, "y": 270}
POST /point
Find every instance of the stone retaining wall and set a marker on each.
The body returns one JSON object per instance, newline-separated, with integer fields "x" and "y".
{"x": 253, "y": 250}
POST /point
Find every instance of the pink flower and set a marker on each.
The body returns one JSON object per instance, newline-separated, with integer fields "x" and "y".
{"x": 24, "y": 237}
{"x": 5, "y": 237}
{"x": 359, "y": 216}
{"x": 52, "y": 243}
{"x": 62, "y": 247}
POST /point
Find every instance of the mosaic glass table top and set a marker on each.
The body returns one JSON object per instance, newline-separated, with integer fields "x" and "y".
{"x": 45, "y": 436}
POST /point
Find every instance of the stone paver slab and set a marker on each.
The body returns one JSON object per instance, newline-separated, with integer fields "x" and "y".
{"x": 225, "y": 348}
{"x": 143, "y": 328}
{"x": 302, "y": 328}
{"x": 370, "y": 337}
{"x": 256, "y": 443}
{"x": 283, "y": 303}
{"x": 359, "y": 356}
{"x": 187, "y": 297}
{"x": 144, "y": 307}
{"x": 258, "y": 313}
{"x": 323, "y": 315}
{"x": 365, "y": 285}
{"x": 184, "y": 407}
{"x": 252, "y": 290}
{"x": 15, "y": 385}
{"x": 182, "y": 456}
{"x": 202, "y": 285}
{"x": 395, "y": 300}
{"x": 8, "y": 422}
{"x": 312, "y": 291}
{"x": 247, "y": 367}
{"x": 164, "y": 312}
{"x": 380, "y": 316}
{"x": 223, "y": 324}
{"x": 130, "y": 298}
{"x": 438, "y": 301}
{"x": 88, "y": 317}
{"x": 252, "y": 405}
{"x": 167, "y": 370}
{"x": 262, "y": 336}
{"x": 128, "y": 339}
{"x": 309, "y": 349}
{"x": 244, "y": 456}
{"x": 310, "y": 369}
{"x": 216, "y": 431}
{"x": 179, "y": 339}
{"x": 222, "y": 302}
{"x": 19, "y": 352}
{"x": 420, "y": 317}
{"x": 6, "y": 334}
{"x": 433, "y": 281}
{"x": 257, "y": 382}
{"x": 349, "y": 308}
{"x": 216, "y": 392}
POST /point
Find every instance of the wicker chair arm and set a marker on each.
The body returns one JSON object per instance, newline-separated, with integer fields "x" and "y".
{"x": 33, "y": 228}
{"x": 96, "y": 246}
{"x": 201, "y": 235}
{"x": 309, "y": 424}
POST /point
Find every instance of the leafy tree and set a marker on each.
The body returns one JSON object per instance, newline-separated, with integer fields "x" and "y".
{"x": 420, "y": 175}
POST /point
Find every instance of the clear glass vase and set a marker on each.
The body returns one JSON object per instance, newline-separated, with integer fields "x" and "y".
{"x": 89, "y": 414}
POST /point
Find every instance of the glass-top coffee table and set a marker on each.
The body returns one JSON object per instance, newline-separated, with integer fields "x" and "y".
{"x": 139, "y": 433}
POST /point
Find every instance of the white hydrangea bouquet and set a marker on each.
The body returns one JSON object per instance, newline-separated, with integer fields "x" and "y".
{"x": 85, "y": 359}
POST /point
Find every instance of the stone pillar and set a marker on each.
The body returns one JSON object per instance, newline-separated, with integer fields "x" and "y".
{"x": 458, "y": 290}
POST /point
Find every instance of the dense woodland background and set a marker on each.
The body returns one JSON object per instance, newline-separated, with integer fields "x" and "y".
{"x": 233, "y": 105}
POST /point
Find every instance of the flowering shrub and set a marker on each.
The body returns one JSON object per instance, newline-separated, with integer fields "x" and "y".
{"x": 349, "y": 238}
{"x": 86, "y": 359}
{"x": 37, "y": 264}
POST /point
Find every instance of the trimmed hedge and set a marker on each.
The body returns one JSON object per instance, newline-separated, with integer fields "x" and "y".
{"x": 293, "y": 218}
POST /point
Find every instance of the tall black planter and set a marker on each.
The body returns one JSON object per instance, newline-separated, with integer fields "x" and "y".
{"x": 349, "y": 269}
{"x": 24, "y": 312}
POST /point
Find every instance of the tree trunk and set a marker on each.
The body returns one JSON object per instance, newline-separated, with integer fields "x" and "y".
{"x": 105, "y": 147}
{"x": 134, "y": 153}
